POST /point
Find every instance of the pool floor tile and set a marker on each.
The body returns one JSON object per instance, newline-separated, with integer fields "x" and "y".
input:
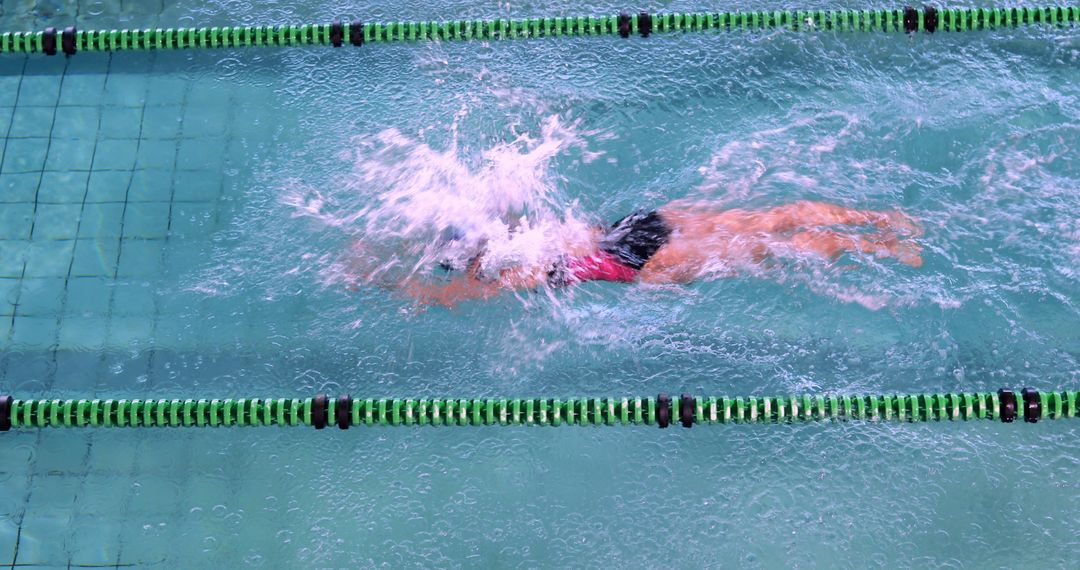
{"x": 162, "y": 123}
{"x": 13, "y": 258}
{"x": 78, "y": 372}
{"x": 96, "y": 541}
{"x": 129, "y": 332}
{"x": 56, "y": 221}
{"x": 146, "y": 220}
{"x": 146, "y": 499}
{"x": 79, "y": 123}
{"x": 102, "y": 494}
{"x": 66, "y": 155}
{"x": 95, "y": 257}
{"x": 163, "y": 464}
{"x": 203, "y": 153}
{"x": 11, "y": 74}
{"x": 16, "y": 221}
{"x": 126, "y": 89}
{"x": 182, "y": 260}
{"x": 52, "y": 494}
{"x": 156, "y": 154}
{"x": 140, "y": 258}
{"x": 88, "y": 295}
{"x": 58, "y": 451}
{"x": 49, "y": 258}
{"x": 101, "y": 221}
{"x": 25, "y": 155}
{"x": 197, "y": 186}
{"x": 82, "y": 333}
{"x": 115, "y": 154}
{"x": 9, "y": 537}
{"x": 121, "y": 122}
{"x": 135, "y": 298}
{"x": 18, "y": 187}
{"x": 32, "y": 122}
{"x": 63, "y": 187}
{"x": 41, "y": 297}
{"x": 41, "y": 88}
{"x": 108, "y": 186}
{"x": 206, "y": 492}
{"x": 43, "y": 539}
{"x": 191, "y": 220}
{"x": 167, "y": 91}
{"x": 169, "y": 330}
{"x": 32, "y": 369}
{"x": 82, "y": 88}
{"x": 151, "y": 186}
{"x": 88, "y": 66}
{"x": 110, "y": 455}
{"x": 9, "y": 291}
{"x": 205, "y": 120}
{"x": 36, "y": 332}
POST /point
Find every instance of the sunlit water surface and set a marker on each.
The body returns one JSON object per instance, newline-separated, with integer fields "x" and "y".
{"x": 276, "y": 161}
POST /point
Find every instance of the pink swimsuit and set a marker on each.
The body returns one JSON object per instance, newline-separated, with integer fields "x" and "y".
{"x": 600, "y": 266}
{"x": 621, "y": 253}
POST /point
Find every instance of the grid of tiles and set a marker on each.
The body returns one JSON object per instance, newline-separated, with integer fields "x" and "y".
{"x": 108, "y": 500}
{"x": 101, "y": 170}
{"x": 35, "y": 14}
{"x": 107, "y": 174}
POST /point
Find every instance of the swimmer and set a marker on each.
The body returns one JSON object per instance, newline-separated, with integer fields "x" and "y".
{"x": 678, "y": 242}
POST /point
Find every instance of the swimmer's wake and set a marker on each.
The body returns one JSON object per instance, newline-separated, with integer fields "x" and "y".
{"x": 423, "y": 223}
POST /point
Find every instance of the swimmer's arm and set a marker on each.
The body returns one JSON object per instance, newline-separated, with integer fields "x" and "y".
{"x": 468, "y": 288}
{"x": 450, "y": 293}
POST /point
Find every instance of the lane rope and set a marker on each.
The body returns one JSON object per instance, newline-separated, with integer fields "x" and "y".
{"x": 71, "y": 40}
{"x": 345, "y": 411}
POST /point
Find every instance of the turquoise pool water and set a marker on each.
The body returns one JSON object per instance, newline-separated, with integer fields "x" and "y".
{"x": 153, "y": 244}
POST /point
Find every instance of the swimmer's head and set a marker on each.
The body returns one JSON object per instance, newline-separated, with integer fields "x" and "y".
{"x": 457, "y": 252}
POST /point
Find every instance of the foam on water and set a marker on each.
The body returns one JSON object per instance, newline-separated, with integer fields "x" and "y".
{"x": 409, "y": 206}
{"x": 775, "y": 158}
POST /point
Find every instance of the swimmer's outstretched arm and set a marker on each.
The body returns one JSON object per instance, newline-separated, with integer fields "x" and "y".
{"x": 449, "y": 293}
{"x": 466, "y": 288}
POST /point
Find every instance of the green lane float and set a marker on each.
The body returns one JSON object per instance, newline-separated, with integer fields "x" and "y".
{"x": 346, "y": 411}
{"x": 71, "y": 40}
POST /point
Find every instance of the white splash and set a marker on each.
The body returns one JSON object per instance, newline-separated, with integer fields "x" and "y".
{"x": 408, "y": 206}
{"x": 736, "y": 171}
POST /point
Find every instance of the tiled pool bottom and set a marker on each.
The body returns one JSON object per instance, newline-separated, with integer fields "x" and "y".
{"x": 108, "y": 177}
{"x": 158, "y": 498}
{"x": 123, "y": 502}
{"x": 143, "y": 499}
{"x": 108, "y": 305}
{"x": 283, "y": 497}
{"x": 112, "y": 173}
